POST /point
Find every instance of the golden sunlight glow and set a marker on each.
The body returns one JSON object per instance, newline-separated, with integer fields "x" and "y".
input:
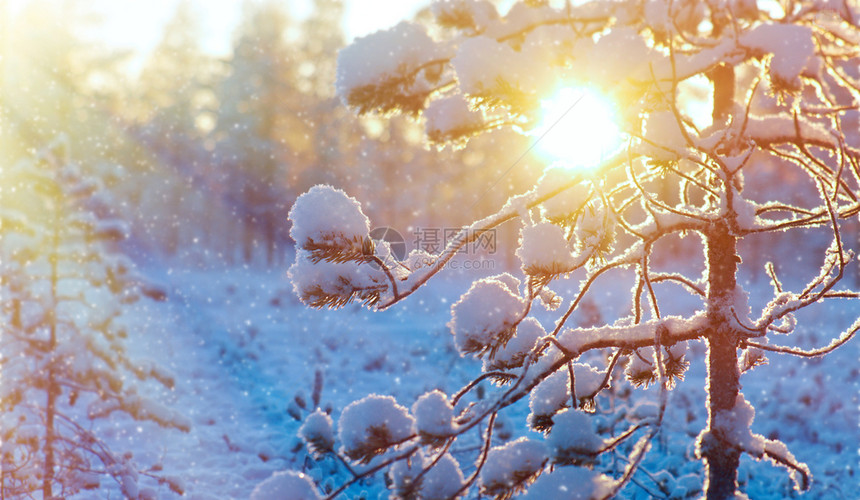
{"x": 696, "y": 100}
{"x": 578, "y": 127}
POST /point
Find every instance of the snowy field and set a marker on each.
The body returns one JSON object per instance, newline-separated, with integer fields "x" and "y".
{"x": 242, "y": 347}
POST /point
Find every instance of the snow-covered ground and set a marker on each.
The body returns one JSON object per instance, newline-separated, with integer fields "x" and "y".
{"x": 242, "y": 348}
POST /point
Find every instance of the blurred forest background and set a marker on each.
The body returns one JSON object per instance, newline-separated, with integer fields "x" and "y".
{"x": 204, "y": 153}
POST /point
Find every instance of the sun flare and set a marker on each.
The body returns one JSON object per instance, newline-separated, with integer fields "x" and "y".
{"x": 578, "y": 128}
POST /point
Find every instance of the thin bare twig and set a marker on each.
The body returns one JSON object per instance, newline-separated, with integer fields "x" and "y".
{"x": 845, "y": 337}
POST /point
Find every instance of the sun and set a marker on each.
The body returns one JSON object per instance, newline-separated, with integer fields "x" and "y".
{"x": 578, "y": 128}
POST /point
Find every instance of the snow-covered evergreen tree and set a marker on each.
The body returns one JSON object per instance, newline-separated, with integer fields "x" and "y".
{"x": 68, "y": 298}
{"x": 782, "y": 83}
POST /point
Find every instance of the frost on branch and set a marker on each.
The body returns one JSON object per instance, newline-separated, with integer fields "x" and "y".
{"x": 512, "y": 467}
{"x": 434, "y": 417}
{"x": 317, "y": 433}
{"x": 369, "y": 426}
{"x": 440, "y": 482}
{"x": 390, "y": 70}
{"x": 286, "y": 485}
{"x": 483, "y": 319}
{"x": 571, "y": 483}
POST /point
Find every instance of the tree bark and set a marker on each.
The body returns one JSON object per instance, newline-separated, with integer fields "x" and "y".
{"x": 723, "y": 372}
{"x": 721, "y": 460}
{"x": 723, "y": 77}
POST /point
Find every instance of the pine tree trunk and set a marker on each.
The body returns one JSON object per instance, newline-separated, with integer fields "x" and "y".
{"x": 52, "y": 389}
{"x": 723, "y": 373}
{"x": 722, "y": 338}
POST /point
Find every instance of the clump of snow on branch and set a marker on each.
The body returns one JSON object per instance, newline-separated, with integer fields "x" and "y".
{"x": 793, "y": 49}
{"x": 663, "y": 134}
{"x": 514, "y": 353}
{"x": 511, "y": 467}
{"x": 618, "y": 56}
{"x": 566, "y": 204}
{"x": 553, "y": 393}
{"x": 466, "y": 15}
{"x": 331, "y": 232}
{"x": 595, "y": 231}
{"x": 443, "y": 480}
{"x": 286, "y": 485}
{"x": 404, "y": 476}
{"x": 573, "y": 483}
{"x": 332, "y": 284}
{"x": 496, "y": 73}
{"x": 767, "y": 129}
{"x": 550, "y": 396}
{"x": 544, "y": 249}
{"x": 641, "y": 369}
{"x": 450, "y": 119}
{"x": 735, "y": 426}
{"x": 440, "y": 482}
{"x": 572, "y": 439}
{"x": 369, "y": 426}
{"x": 434, "y": 417}
{"x": 483, "y": 319}
{"x": 376, "y": 70}
{"x": 327, "y": 219}
{"x": 317, "y": 433}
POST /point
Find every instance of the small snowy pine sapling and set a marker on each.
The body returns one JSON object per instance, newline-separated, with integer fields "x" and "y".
{"x": 67, "y": 301}
{"x": 782, "y": 82}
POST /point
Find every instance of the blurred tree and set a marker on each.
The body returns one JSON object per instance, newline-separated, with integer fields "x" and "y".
{"x": 66, "y": 313}
{"x": 51, "y": 79}
{"x": 172, "y": 114}
{"x": 254, "y": 127}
